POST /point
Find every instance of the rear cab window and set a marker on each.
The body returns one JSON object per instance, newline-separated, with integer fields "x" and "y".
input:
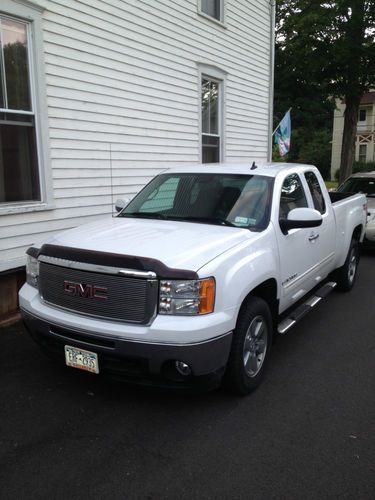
{"x": 316, "y": 192}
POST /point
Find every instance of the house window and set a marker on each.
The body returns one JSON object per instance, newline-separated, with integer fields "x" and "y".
{"x": 19, "y": 174}
{"x": 212, "y": 8}
{"x": 362, "y": 156}
{"x": 362, "y": 115}
{"x": 211, "y": 143}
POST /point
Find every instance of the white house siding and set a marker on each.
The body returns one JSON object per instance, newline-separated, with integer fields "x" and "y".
{"x": 123, "y": 75}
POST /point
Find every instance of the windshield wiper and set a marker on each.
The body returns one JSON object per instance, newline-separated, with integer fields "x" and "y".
{"x": 157, "y": 215}
{"x": 209, "y": 220}
{"x": 143, "y": 215}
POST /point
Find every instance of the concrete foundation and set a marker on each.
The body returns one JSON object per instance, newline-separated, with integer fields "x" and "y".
{"x": 10, "y": 282}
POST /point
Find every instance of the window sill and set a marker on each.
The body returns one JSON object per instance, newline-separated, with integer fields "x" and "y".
{"x": 16, "y": 208}
{"x": 212, "y": 19}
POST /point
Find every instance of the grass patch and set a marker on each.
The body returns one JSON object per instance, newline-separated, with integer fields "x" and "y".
{"x": 331, "y": 184}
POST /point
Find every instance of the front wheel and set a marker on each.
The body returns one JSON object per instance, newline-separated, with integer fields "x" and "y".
{"x": 345, "y": 276}
{"x": 251, "y": 344}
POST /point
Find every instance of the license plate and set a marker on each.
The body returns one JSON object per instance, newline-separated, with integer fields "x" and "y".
{"x": 81, "y": 359}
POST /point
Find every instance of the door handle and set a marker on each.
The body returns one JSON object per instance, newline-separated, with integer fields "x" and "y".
{"x": 313, "y": 237}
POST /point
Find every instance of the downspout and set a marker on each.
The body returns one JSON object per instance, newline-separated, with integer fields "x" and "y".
{"x": 272, "y": 5}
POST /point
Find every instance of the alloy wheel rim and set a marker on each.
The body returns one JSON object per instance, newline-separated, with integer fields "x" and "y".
{"x": 352, "y": 266}
{"x": 255, "y": 346}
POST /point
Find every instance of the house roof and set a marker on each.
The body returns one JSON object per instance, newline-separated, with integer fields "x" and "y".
{"x": 368, "y": 98}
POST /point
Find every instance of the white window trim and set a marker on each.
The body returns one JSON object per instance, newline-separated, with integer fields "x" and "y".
{"x": 219, "y": 22}
{"x": 31, "y": 13}
{"x": 359, "y": 115}
{"x": 218, "y": 75}
{"x": 363, "y": 146}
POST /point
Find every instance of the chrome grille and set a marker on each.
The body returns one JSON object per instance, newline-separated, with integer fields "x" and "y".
{"x": 127, "y": 299}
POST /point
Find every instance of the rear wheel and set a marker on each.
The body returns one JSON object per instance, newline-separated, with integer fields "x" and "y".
{"x": 346, "y": 275}
{"x": 251, "y": 344}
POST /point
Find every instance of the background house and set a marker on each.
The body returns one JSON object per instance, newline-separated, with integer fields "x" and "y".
{"x": 102, "y": 93}
{"x": 365, "y": 143}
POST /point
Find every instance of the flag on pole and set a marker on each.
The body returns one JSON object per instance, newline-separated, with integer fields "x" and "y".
{"x": 282, "y": 134}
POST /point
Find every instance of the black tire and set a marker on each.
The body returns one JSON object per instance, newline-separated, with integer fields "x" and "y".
{"x": 345, "y": 276}
{"x": 250, "y": 348}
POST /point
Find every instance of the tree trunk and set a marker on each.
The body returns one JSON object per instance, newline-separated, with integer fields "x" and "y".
{"x": 349, "y": 136}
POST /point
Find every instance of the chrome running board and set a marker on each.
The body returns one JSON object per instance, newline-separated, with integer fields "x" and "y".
{"x": 295, "y": 315}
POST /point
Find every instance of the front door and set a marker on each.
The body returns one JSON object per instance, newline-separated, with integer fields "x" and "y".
{"x": 299, "y": 254}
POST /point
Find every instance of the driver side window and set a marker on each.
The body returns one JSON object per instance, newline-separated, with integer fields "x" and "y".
{"x": 292, "y": 196}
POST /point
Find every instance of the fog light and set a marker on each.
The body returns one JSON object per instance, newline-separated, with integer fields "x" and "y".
{"x": 182, "y": 368}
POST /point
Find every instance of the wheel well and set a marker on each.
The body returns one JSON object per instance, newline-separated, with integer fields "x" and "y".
{"x": 268, "y": 292}
{"x": 357, "y": 233}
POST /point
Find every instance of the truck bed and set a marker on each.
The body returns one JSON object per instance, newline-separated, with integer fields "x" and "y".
{"x": 336, "y": 196}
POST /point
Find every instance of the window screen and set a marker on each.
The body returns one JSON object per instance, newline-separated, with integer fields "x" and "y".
{"x": 19, "y": 176}
{"x": 211, "y": 8}
{"x": 362, "y": 152}
{"x": 210, "y": 121}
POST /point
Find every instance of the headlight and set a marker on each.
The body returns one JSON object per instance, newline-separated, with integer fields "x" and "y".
{"x": 191, "y": 297}
{"x": 32, "y": 271}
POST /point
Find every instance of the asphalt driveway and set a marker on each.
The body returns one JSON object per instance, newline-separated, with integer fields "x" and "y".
{"x": 307, "y": 432}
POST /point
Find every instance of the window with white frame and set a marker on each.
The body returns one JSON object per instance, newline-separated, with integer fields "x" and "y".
{"x": 212, "y": 8}
{"x": 362, "y": 152}
{"x": 19, "y": 173}
{"x": 211, "y": 129}
{"x": 362, "y": 115}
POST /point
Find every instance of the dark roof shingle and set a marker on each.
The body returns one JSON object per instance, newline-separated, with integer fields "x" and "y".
{"x": 368, "y": 98}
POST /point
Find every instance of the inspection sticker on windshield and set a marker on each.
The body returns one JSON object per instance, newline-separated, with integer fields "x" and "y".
{"x": 81, "y": 359}
{"x": 244, "y": 221}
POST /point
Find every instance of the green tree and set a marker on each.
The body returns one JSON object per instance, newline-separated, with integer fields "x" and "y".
{"x": 328, "y": 50}
{"x": 312, "y": 112}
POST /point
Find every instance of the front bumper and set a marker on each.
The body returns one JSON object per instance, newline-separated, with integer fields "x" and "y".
{"x": 151, "y": 363}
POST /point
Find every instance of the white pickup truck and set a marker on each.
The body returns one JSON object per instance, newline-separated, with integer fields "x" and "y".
{"x": 191, "y": 280}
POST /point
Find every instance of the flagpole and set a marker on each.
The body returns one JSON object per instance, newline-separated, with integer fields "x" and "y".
{"x": 289, "y": 110}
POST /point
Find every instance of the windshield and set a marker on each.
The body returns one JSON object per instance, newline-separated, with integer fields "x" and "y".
{"x": 226, "y": 199}
{"x": 364, "y": 185}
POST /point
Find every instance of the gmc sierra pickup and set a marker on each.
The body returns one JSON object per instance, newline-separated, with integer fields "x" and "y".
{"x": 191, "y": 280}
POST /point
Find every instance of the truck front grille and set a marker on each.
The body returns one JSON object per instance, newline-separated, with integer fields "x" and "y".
{"x": 108, "y": 296}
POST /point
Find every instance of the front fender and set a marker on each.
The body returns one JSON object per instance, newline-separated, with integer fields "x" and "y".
{"x": 241, "y": 269}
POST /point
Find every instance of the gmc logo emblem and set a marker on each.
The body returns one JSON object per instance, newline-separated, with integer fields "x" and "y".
{"x": 86, "y": 291}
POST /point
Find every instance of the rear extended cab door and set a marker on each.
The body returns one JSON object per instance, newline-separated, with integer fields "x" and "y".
{"x": 304, "y": 254}
{"x": 326, "y": 233}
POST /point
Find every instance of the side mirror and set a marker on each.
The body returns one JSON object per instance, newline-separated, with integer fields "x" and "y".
{"x": 121, "y": 203}
{"x": 301, "y": 218}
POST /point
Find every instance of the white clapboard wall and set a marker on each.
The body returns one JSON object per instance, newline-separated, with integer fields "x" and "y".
{"x": 123, "y": 75}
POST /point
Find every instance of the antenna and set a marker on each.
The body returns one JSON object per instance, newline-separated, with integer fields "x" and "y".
{"x": 253, "y": 166}
{"x": 110, "y": 169}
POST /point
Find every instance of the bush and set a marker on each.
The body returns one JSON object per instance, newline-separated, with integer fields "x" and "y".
{"x": 362, "y": 166}
{"x": 359, "y": 166}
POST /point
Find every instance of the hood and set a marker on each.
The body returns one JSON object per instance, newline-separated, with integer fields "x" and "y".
{"x": 176, "y": 244}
